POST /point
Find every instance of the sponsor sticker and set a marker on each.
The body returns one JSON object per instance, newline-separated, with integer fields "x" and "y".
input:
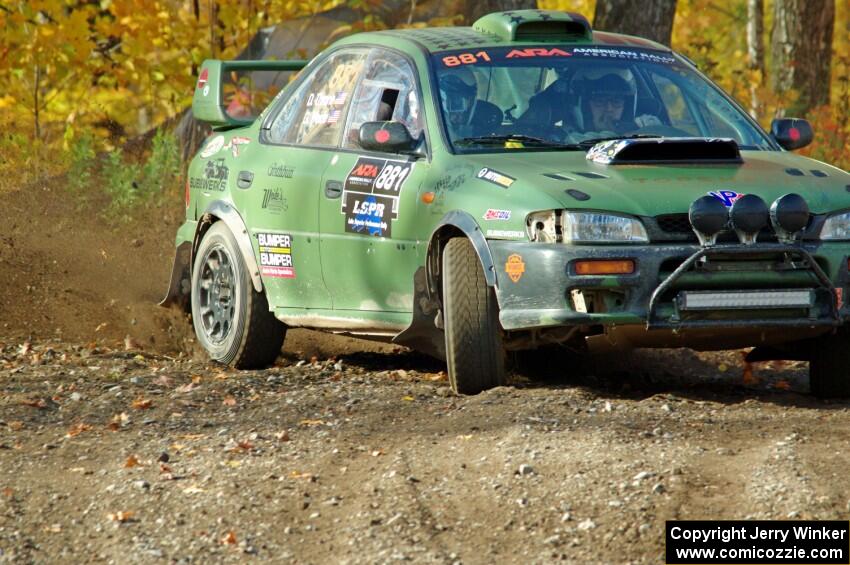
{"x": 492, "y": 214}
{"x": 281, "y": 171}
{"x": 234, "y": 144}
{"x": 214, "y": 177}
{"x": 274, "y": 201}
{"x": 371, "y": 195}
{"x": 537, "y": 52}
{"x": 276, "y": 255}
{"x": 515, "y": 267}
{"x": 728, "y": 197}
{"x": 496, "y": 177}
{"x": 511, "y": 234}
{"x": 202, "y": 78}
{"x": 212, "y": 147}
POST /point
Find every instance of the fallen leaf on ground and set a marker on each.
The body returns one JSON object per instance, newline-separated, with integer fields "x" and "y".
{"x": 229, "y": 539}
{"x": 120, "y": 516}
{"x": 118, "y": 421}
{"x": 53, "y": 529}
{"x": 194, "y": 489}
{"x": 185, "y": 388}
{"x": 77, "y": 429}
{"x": 229, "y": 400}
{"x": 282, "y": 436}
{"x": 749, "y": 378}
{"x": 7, "y": 492}
{"x": 299, "y": 475}
{"x": 377, "y": 452}
{"x": 162, "y": 380}
{"x": 407, "y": 398}
{"x": 39, "y": 403}
{"x": 142, "y": 403}
{"x": 131, "y": 462}
{"x": 312, "y": 423}
{"x": 16, "y": 425}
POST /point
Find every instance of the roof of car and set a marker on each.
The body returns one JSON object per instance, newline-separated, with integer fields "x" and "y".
{"x": 503, "y": 29}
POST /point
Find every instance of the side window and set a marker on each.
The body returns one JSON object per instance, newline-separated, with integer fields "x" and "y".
{"x": 386, "y": 93}
{"x": 314, "y": 113}
{"x": 675, "y": 104}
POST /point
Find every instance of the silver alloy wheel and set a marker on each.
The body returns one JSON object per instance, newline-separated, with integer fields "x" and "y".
{"x": 217, "y": 294}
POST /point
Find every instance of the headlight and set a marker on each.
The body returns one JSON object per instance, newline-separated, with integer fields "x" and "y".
{"x": 584, "y": 227}
{"x": 836, "y": 227}
{"x": 590, "y": 227}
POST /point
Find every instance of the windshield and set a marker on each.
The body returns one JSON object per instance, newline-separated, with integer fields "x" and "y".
{"x": 508, "y": 98}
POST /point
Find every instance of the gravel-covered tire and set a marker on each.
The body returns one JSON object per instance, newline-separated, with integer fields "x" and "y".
{"x": 232, "y": 320}
{"x": 829, "y": 368}
{"x": 474, "y": 351}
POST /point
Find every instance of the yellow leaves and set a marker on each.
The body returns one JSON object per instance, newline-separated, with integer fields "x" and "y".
{"x": 132, "y": 461}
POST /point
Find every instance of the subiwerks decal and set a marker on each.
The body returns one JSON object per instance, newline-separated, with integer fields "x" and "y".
{"x": 371, "y": 195}
{"x": 276, "y": 255}
{"x": 496, "y": 177}
{"x": 214, "y": 177}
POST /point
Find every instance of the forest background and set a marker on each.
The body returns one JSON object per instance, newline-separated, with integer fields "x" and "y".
{"x": 83, "y": 79}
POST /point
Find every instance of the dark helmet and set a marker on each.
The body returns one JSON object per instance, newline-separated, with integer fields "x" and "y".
{"x": 456, "y": 94}
{"x": 608, "y": 85}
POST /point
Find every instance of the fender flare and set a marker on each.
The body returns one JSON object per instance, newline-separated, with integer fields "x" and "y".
{"x": 465, "y": 223}
{"x": 225, "y": 212}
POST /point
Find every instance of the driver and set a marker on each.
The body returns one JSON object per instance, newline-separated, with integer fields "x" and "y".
{"x": 608, "y": 106}
{"x": 466, "y": 114}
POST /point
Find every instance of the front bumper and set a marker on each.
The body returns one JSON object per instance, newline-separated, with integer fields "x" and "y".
{"x": 549, "y": 293}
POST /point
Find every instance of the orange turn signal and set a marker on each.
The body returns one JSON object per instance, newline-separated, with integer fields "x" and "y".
{"x": 428, "y": 197}
{"x": 596, "y": 267}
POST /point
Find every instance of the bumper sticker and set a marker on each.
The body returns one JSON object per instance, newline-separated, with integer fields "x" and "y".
{"x": 276, "y": 255}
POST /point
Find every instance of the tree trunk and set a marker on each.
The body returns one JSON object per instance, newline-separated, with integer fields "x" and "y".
{"x": 475, "y": 9}
{"x": 755, "y": 52}
{"x": 652, "y": 19}
{"x": 801, "y": 44}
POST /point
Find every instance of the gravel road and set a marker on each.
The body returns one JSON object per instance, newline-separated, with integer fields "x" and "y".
{"x": 121, "y": 455}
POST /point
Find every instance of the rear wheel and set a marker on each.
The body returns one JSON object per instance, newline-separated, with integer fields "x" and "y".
{"x": 474, "y": 350}
{"x": 232, "y": 320}
{"x": 829, "y": 368}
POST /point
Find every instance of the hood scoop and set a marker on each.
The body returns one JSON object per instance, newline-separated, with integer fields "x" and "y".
{"x": 667, "y": 150}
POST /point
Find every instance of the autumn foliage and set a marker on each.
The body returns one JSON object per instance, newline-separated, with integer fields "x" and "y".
{"x": 115, "y": 69}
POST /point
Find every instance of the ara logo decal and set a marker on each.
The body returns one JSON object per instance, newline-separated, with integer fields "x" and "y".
{"x": 538, "y": 52}
{"x": 728, "y": 197}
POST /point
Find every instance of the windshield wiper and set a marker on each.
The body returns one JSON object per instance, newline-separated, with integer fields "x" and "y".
{"x": 524, "y": 139}
{"x": 594, "y": 140}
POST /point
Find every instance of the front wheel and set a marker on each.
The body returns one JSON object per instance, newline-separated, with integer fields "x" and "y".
{"x": 829, "y": 368}
{"x": 474, "y": 350}
{"x": 232, "y": 320}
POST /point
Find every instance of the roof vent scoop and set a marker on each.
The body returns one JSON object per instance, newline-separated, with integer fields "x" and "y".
{"x": 535, "y": 25}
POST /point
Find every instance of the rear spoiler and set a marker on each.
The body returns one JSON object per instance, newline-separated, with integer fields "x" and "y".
{"x": 207, "y": 103}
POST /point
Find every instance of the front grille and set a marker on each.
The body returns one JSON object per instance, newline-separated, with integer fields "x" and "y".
{"x": 674, "y": 223}
{"x": 680, "y": 226}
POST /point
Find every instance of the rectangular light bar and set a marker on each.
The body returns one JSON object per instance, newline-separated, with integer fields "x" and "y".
{"x": 746, "y": 299}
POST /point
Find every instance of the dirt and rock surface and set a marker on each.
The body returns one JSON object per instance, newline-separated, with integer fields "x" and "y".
{"x": 119, "y": 443}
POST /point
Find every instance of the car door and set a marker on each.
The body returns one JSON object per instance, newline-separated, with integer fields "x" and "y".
{"x": 369, "y": 204}
{"x": 299, "y": 139}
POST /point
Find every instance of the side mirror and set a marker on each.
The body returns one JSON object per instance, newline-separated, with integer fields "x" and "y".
{"x": 387, "y": 137}
{"x": 791, "y": 133}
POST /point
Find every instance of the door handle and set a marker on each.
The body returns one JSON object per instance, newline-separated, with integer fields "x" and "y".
{"x": 333, "y": 189}
{"x": 244, "y": 179}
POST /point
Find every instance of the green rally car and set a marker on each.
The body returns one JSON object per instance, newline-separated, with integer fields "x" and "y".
{"x": 526, "y": 181}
